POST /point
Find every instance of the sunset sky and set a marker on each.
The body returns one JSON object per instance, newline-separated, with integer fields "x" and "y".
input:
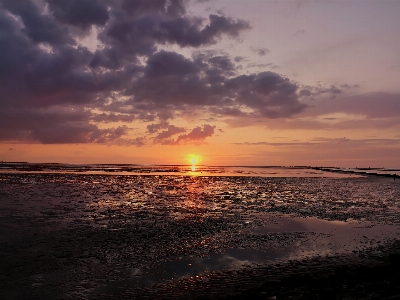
{"x": 233, "y": 82}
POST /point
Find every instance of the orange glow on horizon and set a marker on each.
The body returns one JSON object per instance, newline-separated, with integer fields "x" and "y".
{"x": 194, "y": 159}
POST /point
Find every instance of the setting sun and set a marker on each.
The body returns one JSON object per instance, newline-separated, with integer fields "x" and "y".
{"x": 194, "y": 159}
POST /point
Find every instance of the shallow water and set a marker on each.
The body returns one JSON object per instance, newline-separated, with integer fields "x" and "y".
{"x": 183, "y": 170}
{"x": 92, "y": 236}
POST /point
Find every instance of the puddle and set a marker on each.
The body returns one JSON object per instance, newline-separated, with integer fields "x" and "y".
{"x": 313, "y": 236}
{"x": 186, "y": 267}
{"x": 331, "y": 237}
{"x": 313, "y": 224}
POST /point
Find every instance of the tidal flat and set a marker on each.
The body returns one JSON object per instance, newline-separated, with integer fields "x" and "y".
{"x": 108, "y": 236}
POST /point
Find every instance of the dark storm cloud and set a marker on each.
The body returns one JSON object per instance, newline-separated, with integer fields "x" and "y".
{"x": 268, "y": 94}
{"x": 54, "y": 89}
{"x": 76, "y": 133}
{"x": 81, "y": 13}
{"x": 31, "y": 76}
{"x": 56, "y": 125}
{"x": 37, "y": 26}
{"x": 171, "y": 80}
{"x": 167, "y": 64}
{"x": 140, "y": 35}
{"x": 142, "y": 7}
{"x": 222, "y": 64}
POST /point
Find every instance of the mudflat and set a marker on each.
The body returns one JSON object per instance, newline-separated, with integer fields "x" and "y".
{"x": 86, "y": 236}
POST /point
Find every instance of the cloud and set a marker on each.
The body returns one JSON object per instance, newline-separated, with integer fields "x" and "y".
{"x": 197, "y": 135}
{"x": 274, "y": 144}
{"x": 370, "y": 111}
{"x": 80, "y": 13}
{"x": 260, "y": 65}
{"x": 112, "y": 117}
{"x": 56, "y": 90}
{"x": 163, "y": 7}
{"x": 268, "y": 94}
{"x": 37, "y": 26}
{"x": 260, "y": 51}
{"x": 171, "y": 130}
{"x": 329, "y": 142}
{"x": 208, "y": 82}
{"x": 55, "y": 125}
{"x": 138, "y": 142}
{"x": 315, "y": 91}
{"x": 376, "y": 105}
{"x": 358, "y": 142}
{"x": 152, "y": 128}
{"x": 140, "y": 34}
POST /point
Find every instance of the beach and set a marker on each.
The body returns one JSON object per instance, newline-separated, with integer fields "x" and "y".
{"x": 78, "y": 235}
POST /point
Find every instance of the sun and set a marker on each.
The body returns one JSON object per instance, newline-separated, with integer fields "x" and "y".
{"x": 193, "y": 159}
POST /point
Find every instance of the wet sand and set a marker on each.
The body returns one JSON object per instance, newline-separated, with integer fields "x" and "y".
{"x": 373, "y": 274}
{"x": 71, "y": 236}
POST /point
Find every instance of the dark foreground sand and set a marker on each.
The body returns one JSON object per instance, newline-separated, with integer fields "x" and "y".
{"x": 373, "y": 274}
{"x": 376, "y": 276}
{"x": 68, "y": 236}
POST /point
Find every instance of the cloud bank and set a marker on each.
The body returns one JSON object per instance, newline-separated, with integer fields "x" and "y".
{"x": 56, "y": 89}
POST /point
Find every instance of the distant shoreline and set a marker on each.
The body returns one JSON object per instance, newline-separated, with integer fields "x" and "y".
{"x": 200, "y": 170}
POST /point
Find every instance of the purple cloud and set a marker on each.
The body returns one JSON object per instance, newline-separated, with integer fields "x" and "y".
{"x": 260, "y": 51}
{"x": 166, "y": 134}
{"x": 80, "y": 13}
{"x": 56, "y": 90}
{"x": 197, "y": 135}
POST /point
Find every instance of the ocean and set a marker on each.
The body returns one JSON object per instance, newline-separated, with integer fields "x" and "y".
{"x": 177, "y": 232}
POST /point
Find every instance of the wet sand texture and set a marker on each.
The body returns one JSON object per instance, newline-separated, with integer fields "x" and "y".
{"x": 375, "y": 277}
{"x": 68, "y": 236}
